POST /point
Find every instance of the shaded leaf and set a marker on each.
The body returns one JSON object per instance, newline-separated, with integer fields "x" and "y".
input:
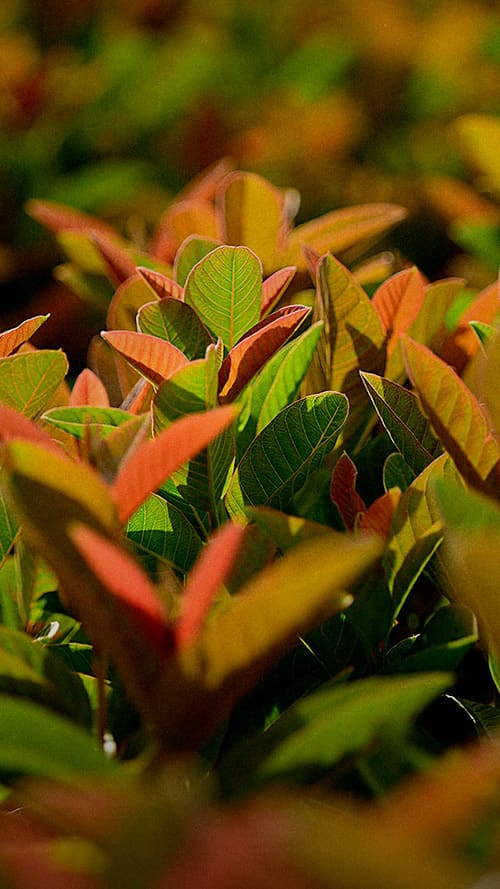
{"x": 173, "y": 320}
{"x": 160, "y": 529}
{"x": 10, "y": 340}
{"x": 286, "y": 530}
{"x": 274, "y": 287}
{"x": 16, "y": 425}
{"x": 29, "y": 380}
{"x": 281, "y": 458}
{"x": 9, "y": 528}
{"x": 225, "y": 290}
{"x": 57, "y": 217}
{"x": 343, "y": 491}
{"x": 184, "y": 218}
{"x": 445, "y": 639}
{"x": 379, "y": 516}
{"x": 462, "y": 344}
{"x": 154, "y": 358}
{"x": 488, "y": 377}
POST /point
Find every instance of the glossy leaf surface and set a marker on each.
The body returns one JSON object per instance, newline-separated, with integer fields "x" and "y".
{"x": 10, "y": 340}
{"x": 154, "y": 358}
{"x": 173, "y": 320}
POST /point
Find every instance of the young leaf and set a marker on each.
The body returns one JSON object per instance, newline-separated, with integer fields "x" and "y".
{"x": 173, "y": 320}
{"x": 255, "y": 348}
{"x": 352, "y": 339}
{"x": 251, "y": 630}
{"x": 16, "y": 425}
{"x": 253, "y": 213}
{"x": 378, "y": 518}
{"x": 403, "y": 421}
{"x": 398, "y": 302}
{"x": 118, "y": 258}
{"x": 88, "y": 390}
{"x": 29, "y": 380}
{"x": 10, "y": 340}
{"x": 343, "y": 491}
{"x": 162, "y": 286}
{"x": 274, "y": 287}
{"x": 205, "y": 581}
{"x": 225, "y": 290}
{"x": 454, "y": 412}
{"x": 154, "y": 461}
{"x": 154, "y": 358}
{"x": 287, "y": 451}
{"x": 81, "y": 421}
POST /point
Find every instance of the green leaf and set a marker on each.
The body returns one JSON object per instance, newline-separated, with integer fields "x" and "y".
{"x": 29, "y": 668}
{"x": 189, "y": 254}
{"x": 175, "y": 321}
{"x": 323, "y": 728}
{"x": 35, "y": 741}
{"x": 160, "y": 529}
{"x": 282, "y": 457}
{"x": 403, "y": 421}
{"x": 225, "y": 289}
{"x": 29, "y": 380}
{"x": 9, "y": 528}
{"x": 397, "y": 473}
{"x": 446, "y": 637}
{"x": 352, "y": 340}
{"x": 78, "y": 421}
{"x": 276, "y": 385}
{"x": 454, "y": 412}
{"x": 485, "y": 332}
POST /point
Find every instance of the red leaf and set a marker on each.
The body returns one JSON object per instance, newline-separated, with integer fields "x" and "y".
{"x": 274, "y": 287}
{"x": 161, "y": 285}
{"x": 154, "y": 461}
{"x": 14, "y": 425}
{"x": 343, "y": 491}
{"x": 127, "y": 584}
{"x": 378, "y": 517}
{"x": 254, "y": 349}
{"x": 205, "y": 581}
{"x": 398, "y": 301}
{"x": 11, "y": 339}
{"x": 88, "y": 390}
{"x": 312, "y": 259}
{"x": 154, "y": 358}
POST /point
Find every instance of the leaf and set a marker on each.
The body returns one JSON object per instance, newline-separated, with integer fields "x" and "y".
{"x": 403, "y": 421}
{"x": 88, "y": 390}
{"x": 128, "y": 299}
{"x": 454, "y": 412}
{"x": 379, "y": 516}
{"x": 84, "y": 420}
{"x": 120, "y": 263}
{"x": 341, "y": 229}
{"x": 35, "y": 741}
{"x": 397, "y": 473}
{"x": 162, "y": 286}
{"x": 277, "y": 384}
{"x": 253, "y": 213}
{"x": 479, "y": 134}
{"x": 285, "y": 530}
{"x": 184, "y": 218}
{"x": 10, "y": 340}
{"x": 429, "y": 327}
{"x": 343, "y": 491}
{"x": 176, "y": 322}
{"x": 189, "y": 254}
{"x": 255, "y": 348}
{"x": 352, "y": 339}
{"x": 205, "y": 581}
{"x": 246, "y": 634}
{"x": 160, "y": 529}
{"x": 29, "y": 380}
{"x": 484, "y": 332}
{"x": 286, "y": 452}
{"x": 462, "y": 344}
{"x": 488, "y": 371}
{"x": 57, "y": 217}
{"x": 274, "y": 287}
{"x": 398, "y": 302}
{"x": 9, "y": 528}
{"x": 154, "y": 358}
{"x": 318, "y": 731}
{"x": 29, "y": 669}
{"x": 154, "y": 461}
{"x": 16, "y": 425}
{"x": 225, "y": 290}
{"x": 128, "y": 585}
{"x": 446, "y": 637}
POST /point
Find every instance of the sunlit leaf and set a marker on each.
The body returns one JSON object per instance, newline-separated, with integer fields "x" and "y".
{"x": 455, "y": 414}
{"x": 128, "y": 299}
{"x": 253, "y": 213}
{"x": 249, "y": 631}
{"x": 479, "y": 133}
{"x": 488, "y": 377}
{"x": 9, "y": 528}
{"x": 430, "y": 325}
{"x": 154, "y": 461}
{"x": 274, "y": 287}
{"x": 225, "y": 290}
{"x": 88, "y": 389}
{"x": 189, "y": 254}
{"x": 160, "y": 529}
{"x": 340, "y": 229}
{"x": 10, "y": 340}
{"x": 29, "y": 380}
{"x": 162, "y": 285}
{"x": 462, "y": 345}
{"x": 184, "y": 218}
{"x": 352, "y": 339}
{"x": 258, "y": 345}
{"x": 343, "y": 491}
{"x": 16, "y": 425}
{"x": 154, "y": 358}
{"x": 81, "y": 421}
{"x": 287, "y": 451}
{"x": 484, "y": 332}
{"x": 403, "y": 421}
{"x": 398, "y": 302}
{"x": 173, "y": 320}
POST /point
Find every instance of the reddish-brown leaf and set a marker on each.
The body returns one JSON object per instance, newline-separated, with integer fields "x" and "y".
{"x": 14, "y": 425}
{"x": 343, "y": 491}
{"x": 56, "y": 218}
{"x": 274, "y": 287}
{"x": 462, "y": 345}
{"x": 88, "y": 389}
{"x": 127, "y": 584}
{"x": 255, "y": 348}
{"x": 398, "y": 301}
{"x": 117, "y": 258}
{"x": 10, "y": 340}
{"x": 378, "y": 517}
{"x": 205, "y": 581}
{"x": 155, "y": 460}
{"x": 161, "y": 285}
{"x": 154, "y": 358}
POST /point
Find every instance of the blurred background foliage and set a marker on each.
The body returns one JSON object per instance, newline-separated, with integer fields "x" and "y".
{"x": 112, "y": 106}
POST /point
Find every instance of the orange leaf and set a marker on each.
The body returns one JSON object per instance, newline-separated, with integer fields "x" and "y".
{"x": 378, "y": 517}
{"x": 154, "y": 358}
{"x": 398, "y": 301}
{"x": 155, "y": 460}
{"x": 88, "y": 389}
{"x": 274, "y": 287}
{"x": 11, "y": 339}
{"x": 343, "y": 491}
{"x": 161, "y": 285}
{"x": 462, "y": 345}
{"x": 127, "y": 584}
{"x": 255, "y": 347}
{"x": 205, "y": 581}
{"x": 14, "y": 425}
{"x": 56, "y": 218}
{"x": 184, "y": 218}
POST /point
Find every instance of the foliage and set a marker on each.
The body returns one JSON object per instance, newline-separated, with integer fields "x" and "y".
{"x": 249, "y": 563}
